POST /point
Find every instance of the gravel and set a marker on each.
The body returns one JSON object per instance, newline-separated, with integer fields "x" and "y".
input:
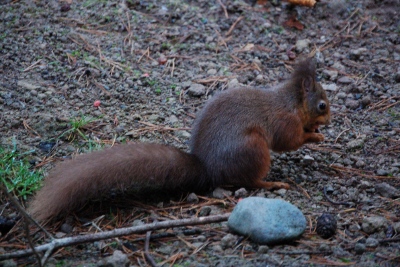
{"x": 57, "y": 60}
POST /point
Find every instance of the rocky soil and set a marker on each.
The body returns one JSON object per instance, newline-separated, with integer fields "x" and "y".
{"x": 153, "y": 64}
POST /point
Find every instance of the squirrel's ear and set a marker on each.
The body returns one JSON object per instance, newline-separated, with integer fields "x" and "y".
{"x": 307, "y": 84}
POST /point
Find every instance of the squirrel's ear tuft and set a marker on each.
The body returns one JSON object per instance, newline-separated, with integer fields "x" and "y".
{"x": 304, "y": 74}
{"x": 305, "y": 68}
{"x": 307, "y": 84}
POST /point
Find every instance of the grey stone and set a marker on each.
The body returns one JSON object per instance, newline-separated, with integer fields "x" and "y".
{"x": 281, "y": 192}
{"x": 267, "y": 221}
{"x": 308, "y": 159}
{"x": 228, "y": 241}
{"x": 365, "y": 101}
{"x": 218, "y": 249}
{"x": 186, "y": 84}
{"x": 345, "y": 80}
{"x": 205, "y": 211}
{"x": 396, "y": 227}
{"x": 360, "y": 163}
{"x": 373, "y": 224}
{"x": 29, "y": 85}
{"x": 329, "y": 87}
{"x": 357, "y": 53}
{"x": 165, "y": 249}
{"x": 153, "y": 118}
{"x": 324, "y": 247}
{"x": 301, "y": 45}
{"x": 182, "y": 134}
{"x": 173, "y": 119}
{"x": 332, "y": 74}
{"x": 263, "y": 249}
{"x": 386, "y": 190}
{"x": 358, "y": 143}
{"x": 118, "y": 259}
{"x": 212, "y": 72}
{"x": 192, "y": 198}
{"x": 241, "y": 192}
{"x": 341, "y": 95}
{"x": 352, "y": 104}
{"x": 360, "y": 248}
{"x": 340, "y": 252}
{"x": 337, "y": 65}
{"x": 371, "y": 242}
{"x": 234, "y": 83}
{"x": 137, "y": 223}
{"x": 66, "y": 228}
{"x": 196, "y": 89}
{"x": 221, "y": 193}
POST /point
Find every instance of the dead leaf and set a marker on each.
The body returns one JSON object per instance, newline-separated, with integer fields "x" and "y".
{"x": 294, "y": 23}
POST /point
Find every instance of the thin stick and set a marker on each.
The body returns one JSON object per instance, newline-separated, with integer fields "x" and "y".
{"x": 334, "y": 202}
{"x": 70, "y": 241}
{"x": 342, "y": 132}
{"x": 147, "y": 255}
{"x": 234, "y": 25}
{"x": 360, "y": 172}
{"x": 33, "y": 65}
{"x": 30, "y": 242}
{"x": 224, "y": 8}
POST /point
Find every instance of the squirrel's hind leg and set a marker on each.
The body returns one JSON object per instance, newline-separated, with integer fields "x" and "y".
{"x": 258, "y": 145}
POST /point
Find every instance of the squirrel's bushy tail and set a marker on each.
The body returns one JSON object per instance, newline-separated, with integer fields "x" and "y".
{"x": 143, "y": 166}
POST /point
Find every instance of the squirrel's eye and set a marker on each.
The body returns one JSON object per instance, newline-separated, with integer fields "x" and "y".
{"x": 322, "y": 106}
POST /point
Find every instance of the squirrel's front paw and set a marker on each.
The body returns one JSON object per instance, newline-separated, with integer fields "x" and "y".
{"x": 314, "y": 137}
{"x": 319, "y": 137}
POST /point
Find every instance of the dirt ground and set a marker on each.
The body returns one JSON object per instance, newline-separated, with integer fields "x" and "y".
{"x": 140, "y": 59}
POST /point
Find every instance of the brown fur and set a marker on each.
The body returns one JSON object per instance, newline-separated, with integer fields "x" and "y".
{"x": 230, "y": 144}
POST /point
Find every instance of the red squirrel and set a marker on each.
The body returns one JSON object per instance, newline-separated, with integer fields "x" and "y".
{"x": 230, "y": 144}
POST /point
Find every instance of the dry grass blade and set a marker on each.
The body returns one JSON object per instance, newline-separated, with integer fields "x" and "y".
{"x": 34, "y": 65}
{"x": 246, "y": 67}
{"x": 234, "y": 25}
{"x": 27, "y": 127}
{"x": 361, "y": 173}
{"x": 323, "y": 261}
{"x": 383, "y": 104}
{"x": 154, "y": 128}
{"x": 224, "y": 8}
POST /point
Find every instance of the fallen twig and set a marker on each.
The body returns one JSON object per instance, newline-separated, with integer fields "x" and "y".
{"x": 147, "y": 255}
{"x": 224, "y": 8}
{"x": 234, "y": 25}
{"x": 70, "y": 241}
{"x": 360, "y": 172}
{"x": 334, "y": 202}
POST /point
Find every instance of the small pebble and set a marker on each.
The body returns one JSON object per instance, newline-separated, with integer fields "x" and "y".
{"x": 371, "y": 242}
{"x": 242, "y": 192}
{"x": 221, "y": 193}
{"x": 205, "y": 211}
{"x": 228, "y": 241}
{"x": 360, "y": 248}
{"x": 192, "y": 198}
{"x": 373, "y": 224}
{"x": 197, "y": 89}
